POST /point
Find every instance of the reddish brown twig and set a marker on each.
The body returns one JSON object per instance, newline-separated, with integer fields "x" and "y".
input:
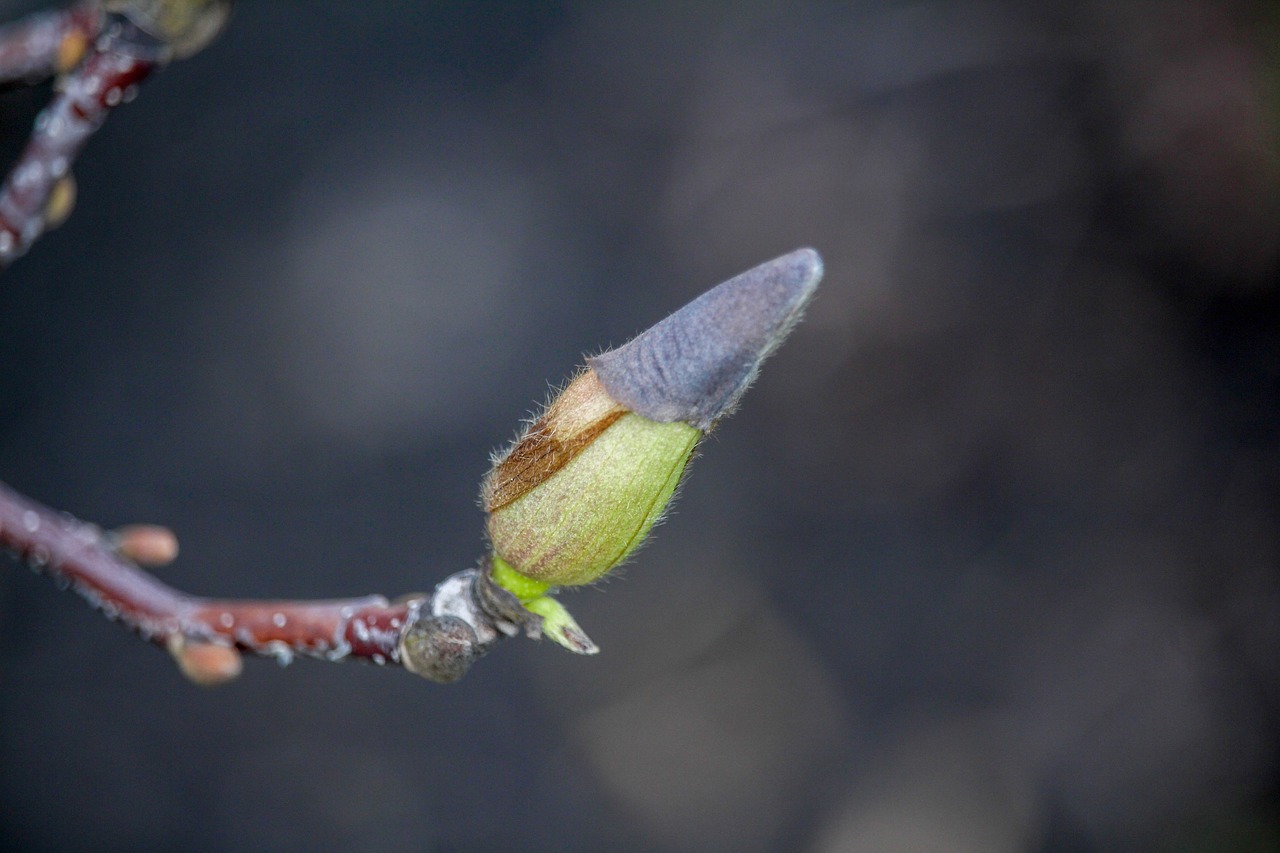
{"x": 106, "y": 50}
{"x": 109, "y": 74}
{"x": 437, "y": 636}
{"x": 40, "y": 45}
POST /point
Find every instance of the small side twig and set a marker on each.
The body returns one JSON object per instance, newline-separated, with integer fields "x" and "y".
{"x": 109, "y": 74}
{"x": 437, "y": 636}
{"x": 104, "y": 49}
{"x": 45, "y": 43}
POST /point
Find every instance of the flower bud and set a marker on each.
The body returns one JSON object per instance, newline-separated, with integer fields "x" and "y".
{"x": 582, "y": 487}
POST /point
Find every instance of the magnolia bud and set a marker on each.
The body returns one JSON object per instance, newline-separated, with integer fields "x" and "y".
{"x": 582, "y": 487}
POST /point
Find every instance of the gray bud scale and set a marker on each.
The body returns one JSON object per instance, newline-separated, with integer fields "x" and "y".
{"x": 695, "y": 365}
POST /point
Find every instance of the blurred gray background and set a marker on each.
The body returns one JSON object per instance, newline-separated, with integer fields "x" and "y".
{"x": 989, "y": 560}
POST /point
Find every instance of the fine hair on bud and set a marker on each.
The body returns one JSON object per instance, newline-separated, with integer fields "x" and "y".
{"x": 570, "y": 422}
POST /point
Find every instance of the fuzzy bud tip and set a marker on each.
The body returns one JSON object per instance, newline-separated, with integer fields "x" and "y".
{"x": 695, "y": 365}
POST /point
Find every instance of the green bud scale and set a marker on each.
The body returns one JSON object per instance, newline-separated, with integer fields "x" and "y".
{"x": 596, "y": 499}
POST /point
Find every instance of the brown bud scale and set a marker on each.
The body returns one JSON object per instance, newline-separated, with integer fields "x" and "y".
{"x": 573, "y": 421}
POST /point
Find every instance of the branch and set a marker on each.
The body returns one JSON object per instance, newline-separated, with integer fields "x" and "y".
{"x": 437, "y": 636}
{"x": 106, "y": 54}
{"x": 570, "y": 500}
{"x": 43, "y": 44}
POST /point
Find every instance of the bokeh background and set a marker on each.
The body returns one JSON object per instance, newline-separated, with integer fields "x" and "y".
{"x": 988, "y": 561}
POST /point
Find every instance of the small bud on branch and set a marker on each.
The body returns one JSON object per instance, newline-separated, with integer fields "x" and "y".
{"x": 146, "y": 544}
{"x": 206, "y": 664}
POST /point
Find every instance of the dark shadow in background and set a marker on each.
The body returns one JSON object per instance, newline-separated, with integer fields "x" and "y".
{"x": 987, "y": 562}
